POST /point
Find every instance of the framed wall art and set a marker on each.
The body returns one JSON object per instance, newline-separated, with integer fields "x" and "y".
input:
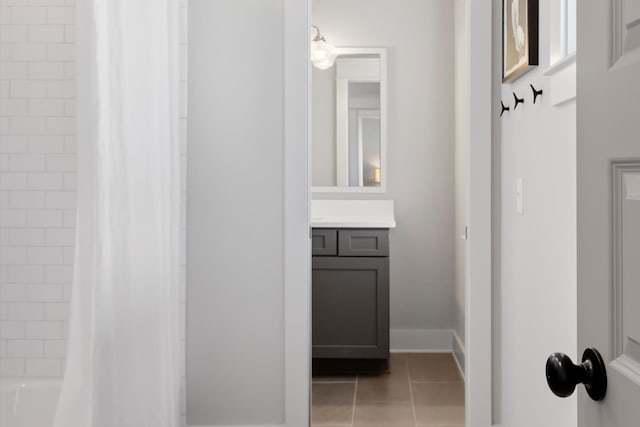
{"x": 519, "y": 37}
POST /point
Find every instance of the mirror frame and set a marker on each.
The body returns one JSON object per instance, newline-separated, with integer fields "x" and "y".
{"x": 382, "y": 188}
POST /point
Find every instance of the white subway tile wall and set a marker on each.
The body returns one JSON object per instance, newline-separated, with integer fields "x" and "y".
{"x": 36, "y": 244}
{"x": 38, "y": 182}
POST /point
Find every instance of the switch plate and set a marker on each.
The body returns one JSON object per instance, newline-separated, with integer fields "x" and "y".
{"x": 520, "y": 196}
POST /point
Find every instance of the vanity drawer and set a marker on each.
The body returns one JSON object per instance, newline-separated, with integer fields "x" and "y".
{"x": 324, "y": 242}
{"x": 363, "y": 242}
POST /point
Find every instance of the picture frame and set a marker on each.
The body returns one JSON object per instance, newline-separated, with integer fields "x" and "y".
{"x": 520, "y": 44}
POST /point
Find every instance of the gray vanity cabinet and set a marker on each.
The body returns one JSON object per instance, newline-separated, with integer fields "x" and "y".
{"x": 350, "y": 293}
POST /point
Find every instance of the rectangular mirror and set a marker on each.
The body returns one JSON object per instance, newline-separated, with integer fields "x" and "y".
{"x": 349, "y": 122}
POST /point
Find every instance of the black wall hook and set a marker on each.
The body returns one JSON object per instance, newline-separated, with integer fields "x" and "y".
{"x": 518, "y": 100}
{"x": 504, "y": 108}
{"x": 536, "y": 93}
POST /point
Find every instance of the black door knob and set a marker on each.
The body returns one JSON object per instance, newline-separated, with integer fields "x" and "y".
{"x": 563, "y": 375}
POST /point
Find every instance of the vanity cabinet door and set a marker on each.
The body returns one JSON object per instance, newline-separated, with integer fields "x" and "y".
{"x": 324, "y": 242}
{"x": 350, "y": 307}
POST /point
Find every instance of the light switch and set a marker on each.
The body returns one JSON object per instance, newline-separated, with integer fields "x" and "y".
{"x": 520, "y": 196}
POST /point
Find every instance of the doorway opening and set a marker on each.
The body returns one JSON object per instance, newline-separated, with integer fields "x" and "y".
{"x": 389, "y": 323}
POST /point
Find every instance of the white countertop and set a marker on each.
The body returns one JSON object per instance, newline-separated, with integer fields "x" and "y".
{"x": 352, "y": 214}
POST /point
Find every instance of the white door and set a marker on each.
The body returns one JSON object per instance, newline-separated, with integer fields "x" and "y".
{"x": 608, "y": 120}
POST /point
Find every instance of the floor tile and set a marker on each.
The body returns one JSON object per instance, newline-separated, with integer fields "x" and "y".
{"x": 332, "y": 403}
{"x": 432, "y": 367}
{"x": 434, "y": 396}
{"x": 397, "y": 361}
{"x": 386, "y": 388}
{"x": 439, "y": 403}
{"x": 384, "y": 415}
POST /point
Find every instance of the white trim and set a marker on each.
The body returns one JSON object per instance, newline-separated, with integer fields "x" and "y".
{"x": 478, "y": 363}
{"x": 564, "y": 27}
{"x": 562, "y": 80}
{"x": 457, "y": 342}
{"x": 562, "y": 20}
{"x": 627, "y": 367}
{"x": 624, "y": 349}
{"x": 560, "y": 65}
{"x": 357, "y": 69}
{"x": 380, "y": 51}
{"x": 297, "y": 243}
{"x": 421, "y": 340}
{"x": 460, "y": 370}
{"x": 623, "y": 53}
{"x": 562, "y": 84}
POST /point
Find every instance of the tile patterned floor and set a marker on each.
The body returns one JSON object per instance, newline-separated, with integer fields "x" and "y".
{"x": 421, "y": 390}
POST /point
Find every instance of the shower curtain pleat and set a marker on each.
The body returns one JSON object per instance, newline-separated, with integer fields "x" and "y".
{"x": 123, "y": 367}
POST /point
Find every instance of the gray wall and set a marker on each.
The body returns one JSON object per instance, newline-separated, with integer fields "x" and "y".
{"x": 419, "y": 36}
{"x": 461, "y": 134}
{"x": 235, "y": 356}
{"x": 496, "y": 218}
{"x": 534, "y": 254}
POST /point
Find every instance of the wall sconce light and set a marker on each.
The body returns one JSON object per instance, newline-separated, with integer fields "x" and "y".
{"x": 376, "y": 176}
{"x": 322, "y": 53}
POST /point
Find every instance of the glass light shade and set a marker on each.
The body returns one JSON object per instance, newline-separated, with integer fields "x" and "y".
{"x": 322, "y": 54}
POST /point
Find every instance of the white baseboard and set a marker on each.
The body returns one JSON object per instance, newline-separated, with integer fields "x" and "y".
{"x": 421, "y": 340}
{"x": 252, "y": 425}
{"x": 458, "y": 353}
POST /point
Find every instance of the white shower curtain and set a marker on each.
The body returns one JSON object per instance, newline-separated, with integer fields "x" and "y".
{"x": 123, "y": 358}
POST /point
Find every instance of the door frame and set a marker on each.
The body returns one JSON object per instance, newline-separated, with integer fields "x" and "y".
{"x": 478, "y": 260}
{"x": 297, "y": 249}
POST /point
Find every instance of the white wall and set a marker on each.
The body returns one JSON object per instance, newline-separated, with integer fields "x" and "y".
{"x": 461, "y": 136}
{"x": 37, "y": 184}
{"x": 235, "y": 291}
{"x": 419, "y": 37}
{"x": 536, "y": 277}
